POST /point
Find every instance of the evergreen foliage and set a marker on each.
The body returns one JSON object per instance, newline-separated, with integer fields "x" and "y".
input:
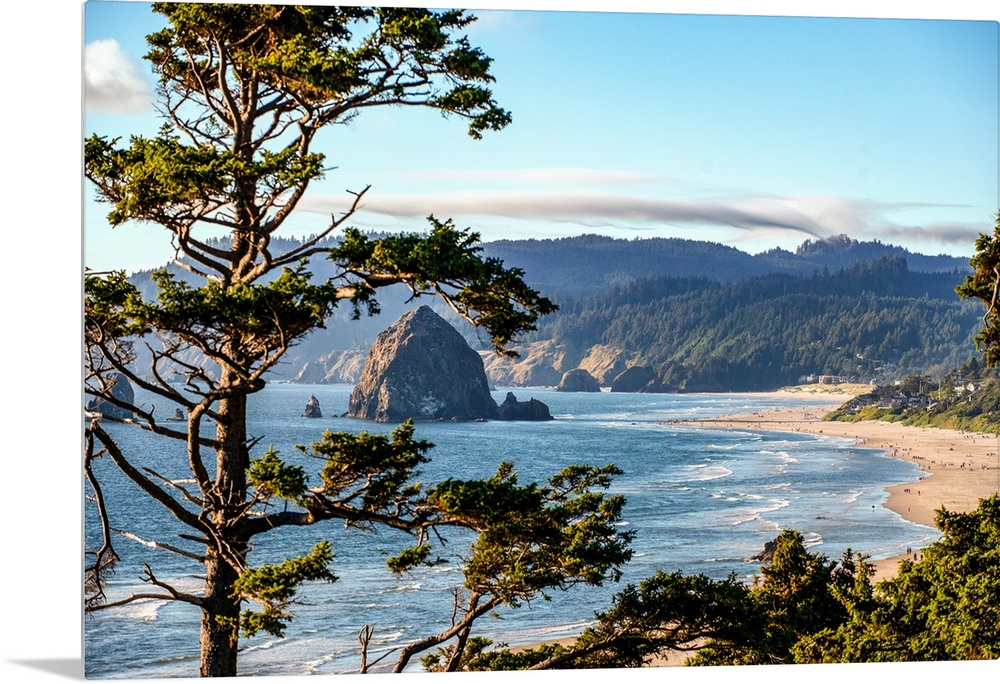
{"x": 966, "y": 398}
{"x": 244, "y": 90}
{"x": 802, "y": 608}
{"x": 984, "y": 284}
{"x": 875, "y": 319}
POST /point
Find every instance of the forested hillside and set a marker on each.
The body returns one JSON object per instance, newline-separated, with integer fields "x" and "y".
{"x": 875, "y": 320}
{"x": 569, "y": 268}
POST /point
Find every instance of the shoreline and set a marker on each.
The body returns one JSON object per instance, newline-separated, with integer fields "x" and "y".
{"x": 957, "y": 467}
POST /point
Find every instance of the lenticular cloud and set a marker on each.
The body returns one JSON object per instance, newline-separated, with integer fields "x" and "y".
{"x": 113, "y": 82}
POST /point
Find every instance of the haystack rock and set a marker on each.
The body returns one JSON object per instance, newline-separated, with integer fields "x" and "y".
{"x": 578, "y": 380}
{"x": 422, "y": 368}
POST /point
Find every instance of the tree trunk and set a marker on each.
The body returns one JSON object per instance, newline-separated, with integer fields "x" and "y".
{"x": 219, "y": 619}
{"x": 225, "y": 558}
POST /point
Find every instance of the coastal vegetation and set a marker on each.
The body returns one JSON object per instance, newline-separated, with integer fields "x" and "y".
{"x": 802, "y": 608}
{"x": 967, "y": 398}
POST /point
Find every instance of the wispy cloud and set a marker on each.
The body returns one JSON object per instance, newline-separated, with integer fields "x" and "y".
{"x": 945, "y": 233}
{"x": 113, "y": 81}
{"x": 750, "y": 215}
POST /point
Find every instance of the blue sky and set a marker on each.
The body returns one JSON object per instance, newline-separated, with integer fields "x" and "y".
{"x": 758, "y": 131}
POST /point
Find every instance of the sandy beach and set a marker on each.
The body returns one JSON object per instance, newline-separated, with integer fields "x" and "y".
{"x": 958, "y": 468}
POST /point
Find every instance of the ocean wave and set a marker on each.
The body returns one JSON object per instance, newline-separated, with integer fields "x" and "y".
{"x": 387, "y": 637}
{"x": 168, "y": 660}
{"x": 704, "y": 472}
{"x": 742, "y": 516}
{"x": 811, "y": 539}
{"x": 144, "y": 610}
{"x": 261, "y": 646}
{"x": 852, "y": 496}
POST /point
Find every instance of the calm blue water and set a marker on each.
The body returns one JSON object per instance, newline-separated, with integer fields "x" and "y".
{"x": 702, "y": 500}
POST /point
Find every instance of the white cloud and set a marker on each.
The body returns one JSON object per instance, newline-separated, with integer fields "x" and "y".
{"x": 592, "y": 209}
{"x": 752, "y": 216}
{"x": 113, "y": 81}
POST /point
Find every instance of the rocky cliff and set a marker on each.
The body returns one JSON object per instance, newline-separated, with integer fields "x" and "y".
{"x": 121, "y": 389}
{"x": 421, "y": 367}
{"x": 637, "y": 379}
{"x": 543, "y": 364}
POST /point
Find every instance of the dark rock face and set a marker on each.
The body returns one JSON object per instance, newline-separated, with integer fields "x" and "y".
{"x": 767, "y": 555}
{"x": 312, "y": 408}
{"x": 512, "y": 409}
{"x": 178, "y": 416}
{"x": 121, "y": 389}
{"x": 578, "y": 380}
{"x": 421, "y": 367}
{"x": 634, "y": 379}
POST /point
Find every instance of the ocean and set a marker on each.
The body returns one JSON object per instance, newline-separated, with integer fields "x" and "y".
{"x": 701, "y": 500}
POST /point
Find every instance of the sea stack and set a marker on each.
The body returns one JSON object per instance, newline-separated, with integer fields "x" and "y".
{"x": 422, "y": 368}
{"x": 512, "y": 409}
{"x": 312, "y": 409}
{"x": 578, "y": 380}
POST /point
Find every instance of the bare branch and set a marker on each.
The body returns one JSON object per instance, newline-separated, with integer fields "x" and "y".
{"x": 159, "y": 545}
{"x": 105, "y": 558}
{"x": 306, "y": 249}
{"x": 474, "y": 610}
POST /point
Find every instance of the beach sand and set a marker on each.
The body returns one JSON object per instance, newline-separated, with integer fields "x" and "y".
{"x": 958, "y": 468}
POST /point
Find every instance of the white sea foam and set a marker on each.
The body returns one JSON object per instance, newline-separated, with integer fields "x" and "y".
{"x": 705, "y": 472}
{"x": 387, "y": 637}
{"x": 145, "y": 610}
{"x": 811, "y": 539}
{"x": 742, "y": 516}
{"x": 261, "y": 646}
{"x": 852, "y": 496}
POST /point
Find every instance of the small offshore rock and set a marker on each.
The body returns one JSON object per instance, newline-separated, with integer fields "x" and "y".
{"x": 767, "y": 555}
{"x": 312, "y": 409}
{"x": 512, "y": 409}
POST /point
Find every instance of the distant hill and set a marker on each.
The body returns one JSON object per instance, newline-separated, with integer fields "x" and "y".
{"x": 873, "y": 321}
{"x": 568, "y": 268}
{"x": 706, "y": 315}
